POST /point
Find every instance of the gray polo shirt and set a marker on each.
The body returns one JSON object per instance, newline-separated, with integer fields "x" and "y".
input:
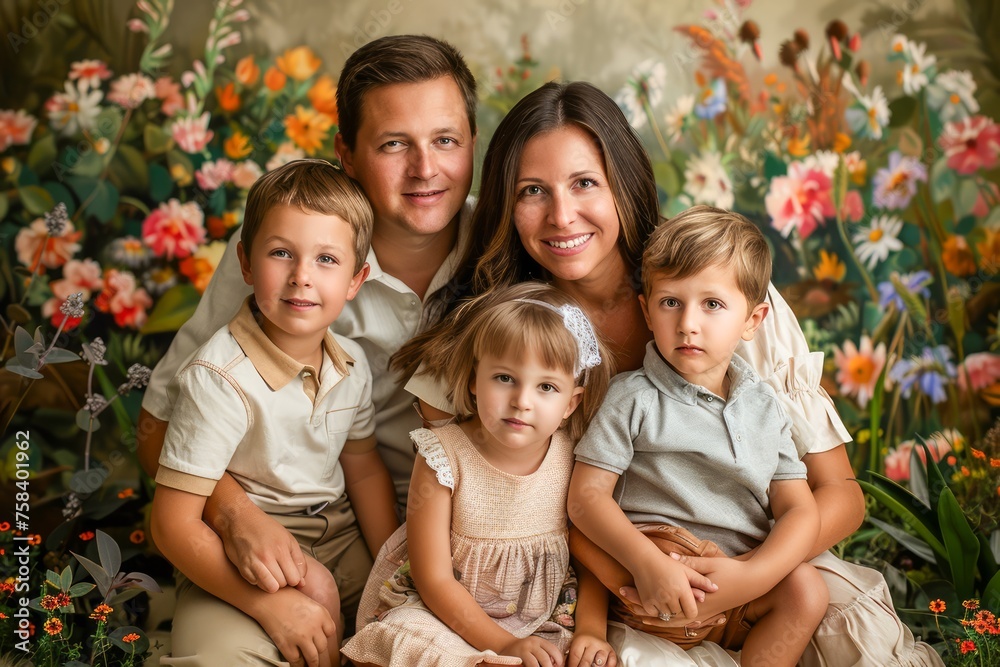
{"x": 689, "y": 458}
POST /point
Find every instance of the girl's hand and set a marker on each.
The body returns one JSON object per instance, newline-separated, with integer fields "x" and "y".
{"x": 587, "y": 650}
{"x": 534, "y": 652}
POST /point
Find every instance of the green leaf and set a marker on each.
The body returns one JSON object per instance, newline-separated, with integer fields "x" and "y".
{"x": 101, "y": 577}
{"x": 60, "y": 193}
{"x": 160, "y": 183}
{"x": 991, "y": 593}
{"x": 130, "y": 167}
{"x": 668, "y": 178}
{"x": 943, "y": 181}
{"x": 43, "y": 154}
{"x": 85, "y": 165}
{"x": 52, "y": 577}
{"x": 966, "y": 197}
{"x": 173, "y": 309}
{"x": 987, "y": 561}
{"x": 58, "y": 355}
{"x": 81, "y": 589}
{"x": 774, "y": 166}
{"x": 66, "y": 578}
{"x": 901, "y": 110}
{"x": 156, "y": 139}
{"x": 961, "y": 543}
{"x": 936, "y": 482}
{"x": 136, "y": 648}
{"x": 15, "y": 367}
{"x": 111, "y": 555}
{"x": 105, "y": 202}
{"x": 914, "y": 544}
{"x": 4, "y": 205}
{"x": 908, "y": 517}
{"x": 84, "y": 421}
{"x": 36, "y": 199}
{"x": 22, "y": 340}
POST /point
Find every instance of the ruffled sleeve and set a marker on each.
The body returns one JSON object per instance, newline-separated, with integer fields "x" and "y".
{"x": 430, "y": 448}
{"x": 779, "y": 353}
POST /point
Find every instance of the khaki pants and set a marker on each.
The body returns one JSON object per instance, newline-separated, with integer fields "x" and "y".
{"x": 208, "y": 632}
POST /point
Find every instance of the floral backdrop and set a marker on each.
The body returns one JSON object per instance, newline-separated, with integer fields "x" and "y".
{"x": 118, "y": 190}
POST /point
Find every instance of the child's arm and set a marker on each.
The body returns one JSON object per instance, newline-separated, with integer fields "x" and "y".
{"x": 370, "y": 489}
{"x": 664, "y": 585}
{"x": 428, "y": 529}
{"x": 299, "y": 627}
{"x": 590, "y": 638}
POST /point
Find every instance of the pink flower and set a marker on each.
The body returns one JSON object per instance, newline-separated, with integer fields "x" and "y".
{"x": 246, "y": 173}
{"x": 89, "y": 72}
{"x": 123, "y": 300}
{"x": 971, "y": 144}
{"x": 897, "y": 462}
{"x": 939, "y": 444}
{"x": 982, "y": 207}
{"x": 174, "y": 229}
{"x": 16, "y": 128}
{"x": 169, "y": 93}
{"x": 57, "y": 249}
{"x": 78, "y": 276}
{"x": 131, "y": 90}
{"x": 983, "y": 369}
{"x": 213, "y": 175}
{"x": 192, "y": 134}
{"x": 801, "y": 200}
{"x": 853, "y": 208}
{"x": 858, "y": 370}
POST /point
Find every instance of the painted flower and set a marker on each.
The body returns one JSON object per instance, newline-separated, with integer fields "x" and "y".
{"x": 131, "y": 90}
{"x": 214, "y": 174}
{"x": 79, "y": 277}
{"x": 89, "y": 73}
{"x": 247, "y": 71}
{"x": 957, "y": 256}
{"x": 192, "y": 133}
{"x": 218, "y": 225}
{"x": 159, "y": 279}
{"x": 16, "y": 128}
{"x": 74, "y": 110}
{"x": 868, "y": 114}
{"x": 643, "y": 88}
{"x": 875, "y": 241}
{"x": 915, "y": 282}
{"x": 174, "y": 229}
{"x": 857, "y": 168}
{"x": 706, "y": 180}
{"x": 824, "y": 161}
{"x": 199, "y": 267}
{"x": 829, "y": 267}
{"x": 323, "y": 96}
{"x": 34, "y": 244}
{"x": 299, "y": 63}
{"x": 168, "y": 92}
{"x": 931, "y": 372}
{"x": 799, "y": 201}
{"x": 274, "y": 79}
{"x": 971, "y": 144}
{"x": 858, "y": 369}
{"x": 952, "y": 95}
{"x": 229, "y": 99}
{"x": 120, "y": 297}
{"x": 853, "y": 207}
{"x": 678, "y": 114}
{"x": 129, "y": 251}
{"x": 918, "y": 66}
{"x": 308, "y": 128}
{"x": 237, "y": 146}
{"x": 979, "y": 371}
{"x": 285, "y": 153}
{"x": 711, "y": 100}
{"x": 246, "y": 174}
{"x": 896, "y": 184}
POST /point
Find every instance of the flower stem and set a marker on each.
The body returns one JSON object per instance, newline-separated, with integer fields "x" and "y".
{"x": 656, "y": 128}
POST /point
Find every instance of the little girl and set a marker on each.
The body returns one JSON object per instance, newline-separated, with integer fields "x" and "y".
{"x": 475, "y": 576}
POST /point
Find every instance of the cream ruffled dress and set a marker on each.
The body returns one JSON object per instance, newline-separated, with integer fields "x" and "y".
{"x": 509, "y": 549}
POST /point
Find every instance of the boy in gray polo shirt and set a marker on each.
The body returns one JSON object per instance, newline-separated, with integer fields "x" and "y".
{"x": 694, "y": 444}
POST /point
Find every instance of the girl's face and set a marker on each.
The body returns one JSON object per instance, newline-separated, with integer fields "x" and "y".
{"x": 521, "y": 402}
{"x": 564, "y": 211}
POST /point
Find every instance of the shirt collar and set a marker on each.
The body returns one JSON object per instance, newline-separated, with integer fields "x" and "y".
{"x": 274, "y": 365}
{"x": 669, "y": 382}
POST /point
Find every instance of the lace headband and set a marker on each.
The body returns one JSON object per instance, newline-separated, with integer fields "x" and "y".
{"x": 588, "y": 354}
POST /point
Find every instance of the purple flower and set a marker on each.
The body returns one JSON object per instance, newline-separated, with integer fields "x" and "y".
{"x": 711, "y": 100}
{"x": 931, "y": 372}
{"x": 896, "y": 184}
{"x": 916, "y": 282}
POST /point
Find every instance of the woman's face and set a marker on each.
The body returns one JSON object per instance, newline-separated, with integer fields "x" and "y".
{"x": 564, "y": 211}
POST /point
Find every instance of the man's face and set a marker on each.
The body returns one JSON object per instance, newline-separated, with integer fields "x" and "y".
{"x": 413, "y": 155}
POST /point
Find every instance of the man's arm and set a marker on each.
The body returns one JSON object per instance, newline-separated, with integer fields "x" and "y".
{"x": 371, "y": 491}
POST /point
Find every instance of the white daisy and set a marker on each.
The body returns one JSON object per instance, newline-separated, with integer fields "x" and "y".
{"x": 645, "y": 85}
{"x": 824, "y": 161}
{"x": 917, "y": 69}
{"x": 869, "y": 113}
{"x": 675, "y": 118}
{"x": 75, "y": 110}
{"x": 706, "y": 180}
{"x": 952, "y": 95}
{"x": 874, "y": 242}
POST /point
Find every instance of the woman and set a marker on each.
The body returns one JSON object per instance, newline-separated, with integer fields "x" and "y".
{"x": 568, "y": 196}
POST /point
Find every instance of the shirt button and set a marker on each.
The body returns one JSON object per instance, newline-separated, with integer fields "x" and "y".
{"x": 306, "y": 374}
{"x": 709, "y": 399}
{"x": 413, "y": 304}
{"x": 739, "y": 438}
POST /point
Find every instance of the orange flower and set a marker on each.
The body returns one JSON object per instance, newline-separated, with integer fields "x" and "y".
{"x": 937, "y": 606}
{"x": 53, "y": 626}
{"x": 131, "y": 637}
{"x": 126, "y": 493}
{"x": 274, "y": 80}
{"x": 989, "y": 250}
{"x": 771, "y": 79}
{"x": 87, "y": 535}
{"x": 199, "y": 267}
{"x": 247, "y": 71}
{"x": 34, "y": 539}
{"x": 972, "y": 605}
{"x": 841, "y": 142}
{"x": 308, "y": 128}
{"x": 237, "y": 146}
{"x": 101, "y": 612}
{"x": 994, "y": 463}
{"x": 965, "y": 471}
{"x": 4, "y": 526}
{"x": 799, "y": 146}
{"x": 137, "y": 537}
{"x": 48, "y": 603}
{"x": 966, "y": 646}
{"x": 323, "y": 95}
{"x": 957, "y": 256}
{"x": 217, "y": 227}
{"x": 979, "y": 454}
{"x": 830, "y": 267}
{"x": 299, "y": 63}
{"x": 228, "y": 98}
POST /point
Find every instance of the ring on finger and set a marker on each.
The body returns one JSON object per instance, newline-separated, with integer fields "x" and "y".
{"x": 665, "y": 616}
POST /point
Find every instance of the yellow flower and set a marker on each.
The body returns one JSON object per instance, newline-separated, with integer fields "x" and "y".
{"x": 841, "y": 142}
{"x": 299, "y": 63}
{"x": 8, "y": 164}
{"x": 181, "y": 176}
{"x": 237, "y": 146}
{"x": 323, "y": 95}
{"x": 830, "y": 267}
{"x": 798, "y": 146}
{"x": 247, "y": 71}
{"x": 274, "y": 80}
{"x": 308, "y": 128}
{"x": 957, "y": 256}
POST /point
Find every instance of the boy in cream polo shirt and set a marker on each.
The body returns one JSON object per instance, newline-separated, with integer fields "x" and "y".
{"x": 284, "y": 405}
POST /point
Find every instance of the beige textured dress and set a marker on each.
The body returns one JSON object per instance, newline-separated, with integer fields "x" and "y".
{"x": 509, "y": 549}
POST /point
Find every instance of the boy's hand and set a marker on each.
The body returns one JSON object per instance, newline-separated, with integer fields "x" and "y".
{"x": 587, "y": 650}
{"x": 534, "y": 652}
{"x": 263, "y": 550}
{"x": 301, "y": 628}
{"x": 664, "y": 586}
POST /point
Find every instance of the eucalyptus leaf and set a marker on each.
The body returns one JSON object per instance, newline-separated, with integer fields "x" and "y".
{"x": 22, "y": 340}
{"x": 58, "y": 355}
{"x": 52, "y": 577}
{"x": 906, "y": 540}
{"x": 18, "y": 313}
{"x": 66, "y": 578}
{"x": 84, "y": 421}
{"x": 144, "y": 581}
{"x": 13, "y": 366}
{"x": 80, "y": 589}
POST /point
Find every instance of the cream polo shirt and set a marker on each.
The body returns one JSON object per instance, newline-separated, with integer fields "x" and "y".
{"x": 382, "y": 317}
{"x": 244, "y": 406}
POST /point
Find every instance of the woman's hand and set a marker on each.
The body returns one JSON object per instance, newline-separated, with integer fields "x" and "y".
{"x": 587, "y": 650}
{"x": 300, "y": 627}
{"x": 534, "y": 652}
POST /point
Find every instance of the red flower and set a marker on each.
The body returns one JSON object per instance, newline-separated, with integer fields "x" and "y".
{"x": 937, "y": 606}
{"x": 4, "y": 526}
{"x": 971, "y": 144}
{"x": 63, "y": 599}
{"x": 966, "y": 646}
{"x": 137, "y": 537}
{"x": 53, "y": 626}
{"x": 48, "y": 603}
{"x": 87, "y": 535}
{"x": 131, "y": 637}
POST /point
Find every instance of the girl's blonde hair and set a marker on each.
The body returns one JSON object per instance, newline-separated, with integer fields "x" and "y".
{"x": 498, "y": 323}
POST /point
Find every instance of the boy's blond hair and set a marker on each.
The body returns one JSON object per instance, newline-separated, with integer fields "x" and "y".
{"x": 705, "y": 236}
{"x": 316, "y": 186}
